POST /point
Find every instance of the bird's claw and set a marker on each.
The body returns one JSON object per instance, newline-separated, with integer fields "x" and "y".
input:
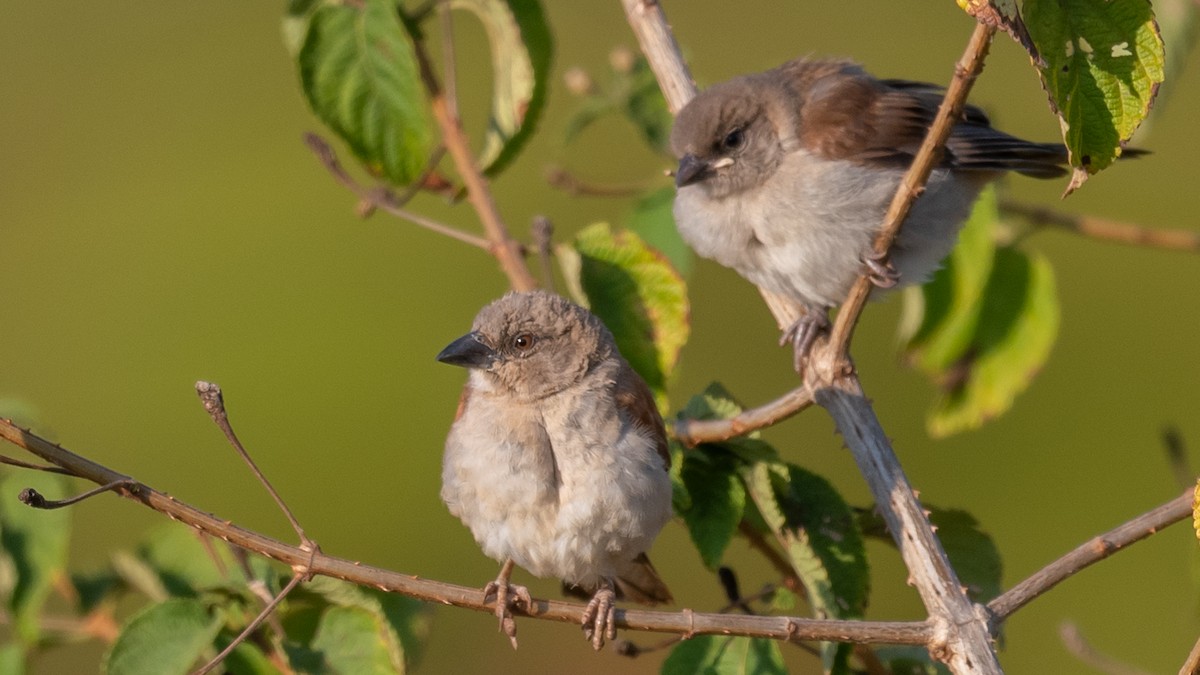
{"x": 599, "y": 618}
{"x": 803, "y": 333}
{"x": 880, "y": 270}
{"x": 507, "y": 595}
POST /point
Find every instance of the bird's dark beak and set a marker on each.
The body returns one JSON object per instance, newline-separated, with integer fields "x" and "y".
{"x": 691, "y": 170}
{"x": 468, "y": 351}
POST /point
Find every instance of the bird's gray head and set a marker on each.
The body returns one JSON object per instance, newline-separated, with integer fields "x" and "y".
{"x": 532, "y": 344}
{"x": 726, "y": 139}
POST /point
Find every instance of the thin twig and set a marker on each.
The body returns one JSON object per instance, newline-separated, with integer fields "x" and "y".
{"x": 1092, "y": 551}
{"x": 382, "y": 198}
{"x": 1104, "y": 229}
{"x": 1191, "y": 665}
{"x": 253, "y": 626}
{"x": 913, "y": 183}
{"x": 693, "y": 432}
{"x": 507, "y": 251}
{"x": 562, "y": 179}
{"x": 449, "y": 62}
{"x": 36, "y": 467}
{"x": 33, "y": 498}
{"x": 543, "y": 236}
{"x": 1078, "y": 645}
{"x": 214, "y": 405}
{"x": 319, "y": 563}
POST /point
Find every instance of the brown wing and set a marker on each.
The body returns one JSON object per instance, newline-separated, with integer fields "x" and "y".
{"x": 847, "y": 114}
{"x": 462, "y": 400}
{"x": 634, "y": 397}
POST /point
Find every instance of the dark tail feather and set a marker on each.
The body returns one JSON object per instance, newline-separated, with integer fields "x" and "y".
{"x": 638, "y": 582}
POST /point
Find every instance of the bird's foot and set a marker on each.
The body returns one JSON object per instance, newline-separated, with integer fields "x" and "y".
{"x": 803, "y": 333}
{"x": 507, "y": 595}
{"x": 880, "y": 270}
{"x": 599, "y": 618}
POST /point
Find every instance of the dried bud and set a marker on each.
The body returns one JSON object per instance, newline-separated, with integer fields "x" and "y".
{"x": 578, "y": 81}
{"x": 621, "y": 59}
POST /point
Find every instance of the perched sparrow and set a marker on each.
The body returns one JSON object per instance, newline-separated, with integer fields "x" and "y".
{"x": 557, "y": 460}
{"x": 785, "y": 176}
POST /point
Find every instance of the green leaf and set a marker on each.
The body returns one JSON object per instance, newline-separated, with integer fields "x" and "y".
{"x": 184, "y": 564}
{"x": 296, "y": 18}
{"x": 819, "y": 535}
{"x": 162, "y": 639}
{"x": 93, "y": 588}
{"x": 359, "y": 72}
{"x": 522, "y": 50}
{"x": 653, "y": 220}
{"x": 974, "y": 555}
{"x": 714, "y": 403}
{"x": 1017, "y": 326}
{"x": 404, "y": 623}
{"x": 723, "y": 655}
{"x": 36, "y": 541}
{"x": 1005, "y": 15}
{"x": 246, "y": 658}
{"x": 351, "y": 641}
{"x": 950, "y": 304}
{"x": 632, "y": 91}
{"x": 12, "y": 659}
{"x": 909, "y": 660}
{"x": 639, "y": 296}
{"x": 718, "y": 501}
{"x": 1103, "y": 64}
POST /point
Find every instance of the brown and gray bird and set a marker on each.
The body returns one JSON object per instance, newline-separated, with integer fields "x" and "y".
{"x": 785, "y": 177}
{"x": 557, "y": 460}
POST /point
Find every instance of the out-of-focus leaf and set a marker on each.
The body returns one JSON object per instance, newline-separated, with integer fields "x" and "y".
{"x": 94, "y": 588}
{"x": 163, "y": 639}
{"x": 714, "y": 403}
{"x": 12, "y": 659}
{"x": 184, "y": 564}
{"x": 951, "y": 301}
{"x": 718, "y": 500}
{"x": 350, "y": 641}
{"x": 139, "y": 575}
{"x": 1017, "y": 327}
{"x": 1103, "y": 65}
{"x": 820, "y": 537}
{"x": 522, "y": 50}
{"x": 632, "y": 91}
{"x": 909, "y": 660}
{"x": 973, "y": 554}
{"x": 36, "y": 541}
{"x": 404, "y": 623}
{"x": 680, "y": 499}
{"x": 639, "y": 296}
{"x": 295, "y": 24}
{"x": 654, "y": 222}
{"x": 359, "y": 73}
{"x": 722, "y": 655}
{"x": 246, "y": 658}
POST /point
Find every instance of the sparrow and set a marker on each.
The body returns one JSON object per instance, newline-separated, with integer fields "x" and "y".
{"x": 785, "y": 177}
{"x": 557, "y": 459}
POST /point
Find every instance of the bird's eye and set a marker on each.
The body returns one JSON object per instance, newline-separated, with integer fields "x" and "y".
{"x": 733, "y": 140}
{"x": 523, "y": 341}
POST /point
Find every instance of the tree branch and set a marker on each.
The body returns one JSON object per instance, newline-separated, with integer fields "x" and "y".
{"x": 695, "y": 432}
{"x": 506, "y": 249}
{"x": 686, "y": 623}
{"x": 963, "y": 639}
{"x": 1092, "y": 551}
{"x": 1104, "y": 229}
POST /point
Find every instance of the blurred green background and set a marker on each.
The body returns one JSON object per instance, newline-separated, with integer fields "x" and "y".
{"x": 162, "y": 222}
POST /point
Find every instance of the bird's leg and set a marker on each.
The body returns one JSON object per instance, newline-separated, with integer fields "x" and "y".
{"x": 599, "y": 618}
{"x": 507, "y": 594}
{"x": 803, "y": 333}
{"x": 881, "y": 272}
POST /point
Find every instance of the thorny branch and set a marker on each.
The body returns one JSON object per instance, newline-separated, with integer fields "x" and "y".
{"x": 315, "y": 562}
